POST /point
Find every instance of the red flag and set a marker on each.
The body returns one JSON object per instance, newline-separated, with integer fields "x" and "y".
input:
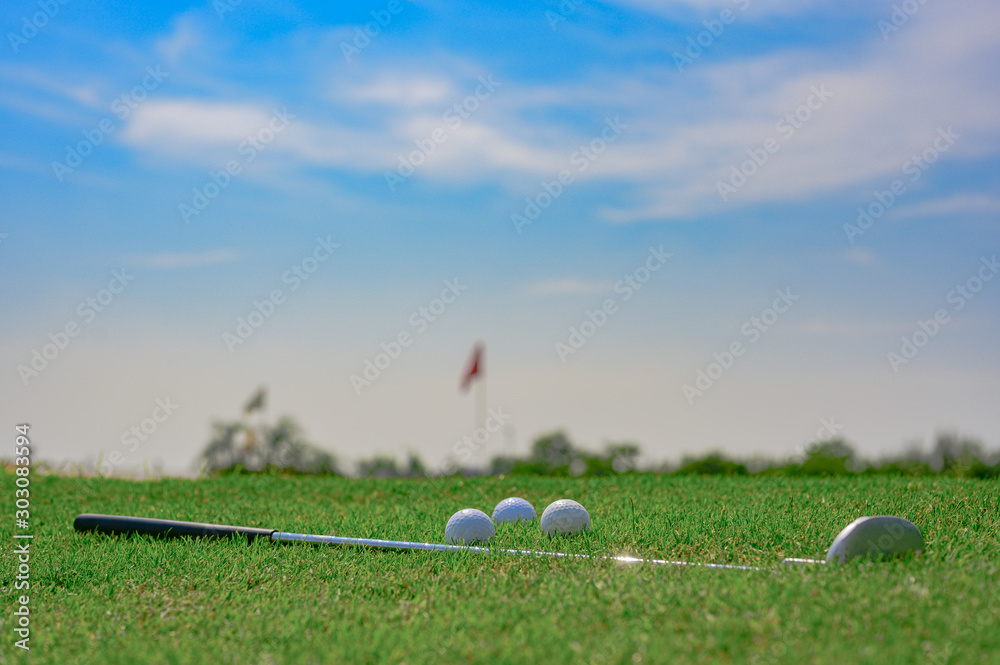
{"x": 475, "y": 366}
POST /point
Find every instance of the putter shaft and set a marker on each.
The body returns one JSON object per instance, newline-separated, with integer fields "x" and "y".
{"x": 118, "y": 524}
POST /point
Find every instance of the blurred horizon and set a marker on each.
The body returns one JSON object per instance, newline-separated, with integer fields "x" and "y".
{"x": 696, "y": 225}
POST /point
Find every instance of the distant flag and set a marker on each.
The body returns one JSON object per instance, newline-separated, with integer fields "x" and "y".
{"x": 475, "y": 366}
{"x": 256, "y": 402}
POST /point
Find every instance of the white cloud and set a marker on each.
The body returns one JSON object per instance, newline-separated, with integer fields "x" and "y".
{"x": 189, "y": 121}
{"x": 206, "y": 132}
{"x": 37, "y": 109}
{"x": 686, "y": 130}
{"x": 168, "y": 260}
{"x": 676, "y": 8}
{"x": 401, "y": 90}
{"x": 82, "y": 94}
{"x": 569, "y": 286}
{"x": 959, "y": 205}
{"x": 185, "y": 38}
{"x": 859, "y": 256}
{"x": 885, "y": 108}
{"x": 209, "y": 134}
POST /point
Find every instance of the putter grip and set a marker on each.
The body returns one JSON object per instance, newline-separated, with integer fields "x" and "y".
{"x": 118, "y": 524}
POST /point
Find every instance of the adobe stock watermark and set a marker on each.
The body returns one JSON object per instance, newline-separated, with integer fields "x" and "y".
{"x": 566, "y": 8}
{"x": 136, "y": 434}
{"x": 363, "y": 35}
{"x": 420, "y": 320}
{"x": 958, "y": 298}
{"x": 900, "y": 16}
{"x": 751, "y": 331}
{"x": 828, "y": 429}
{"x": 714, "y": 28}
{"x": 33, "y": 23}
{"x": 623, "y": 462}
{"x": 87, "y": 311}
{"x": 786, "y": 128}
{"x": 22, "y": 520}
{"x": 294, "y": 277}
{"x": 965, "y": 635}
{"x": 223, "y": 7}
{"x": 453, "y": 118}
{"x": 580, "y": 160}
{"x": 914, "y": 168}
{"x": 463, "y": 451}
{"x": 626, "y": 288}
{"x": 248, "y": 150}
{"x": 122, "y": 107}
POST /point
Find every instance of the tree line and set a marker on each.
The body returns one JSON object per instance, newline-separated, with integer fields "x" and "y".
{"x": 282, "y": 447}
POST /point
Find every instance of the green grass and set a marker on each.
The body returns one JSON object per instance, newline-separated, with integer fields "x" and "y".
{"x": 98, "y": 599}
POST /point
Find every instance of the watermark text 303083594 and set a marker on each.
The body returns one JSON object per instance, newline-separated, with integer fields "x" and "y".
{"x": 22, "y": 538}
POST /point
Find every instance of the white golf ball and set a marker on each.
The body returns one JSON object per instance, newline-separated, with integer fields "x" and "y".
{"x": 564, "y": 516}
{"x": 469, "y": 526}
{"x": 513, "y": 509}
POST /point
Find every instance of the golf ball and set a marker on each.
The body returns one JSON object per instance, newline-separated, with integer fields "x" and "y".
{"x": 565, "y": 516}
{"x": 469, "y": 526}
{"x": 513, "y": 509}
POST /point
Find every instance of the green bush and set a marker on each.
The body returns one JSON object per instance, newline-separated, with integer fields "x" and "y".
{"x": 712, "y": 465}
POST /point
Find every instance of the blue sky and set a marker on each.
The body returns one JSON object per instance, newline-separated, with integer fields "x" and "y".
{"x": 739, "y": 137}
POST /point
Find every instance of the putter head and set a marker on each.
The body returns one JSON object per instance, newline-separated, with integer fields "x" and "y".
{"x": 880, "y": 537}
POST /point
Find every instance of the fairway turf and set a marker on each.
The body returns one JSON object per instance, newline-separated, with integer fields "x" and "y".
{"x": 100, "y": 599}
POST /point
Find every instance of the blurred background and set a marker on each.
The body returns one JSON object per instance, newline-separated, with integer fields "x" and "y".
{"x": 691, "y": 226}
